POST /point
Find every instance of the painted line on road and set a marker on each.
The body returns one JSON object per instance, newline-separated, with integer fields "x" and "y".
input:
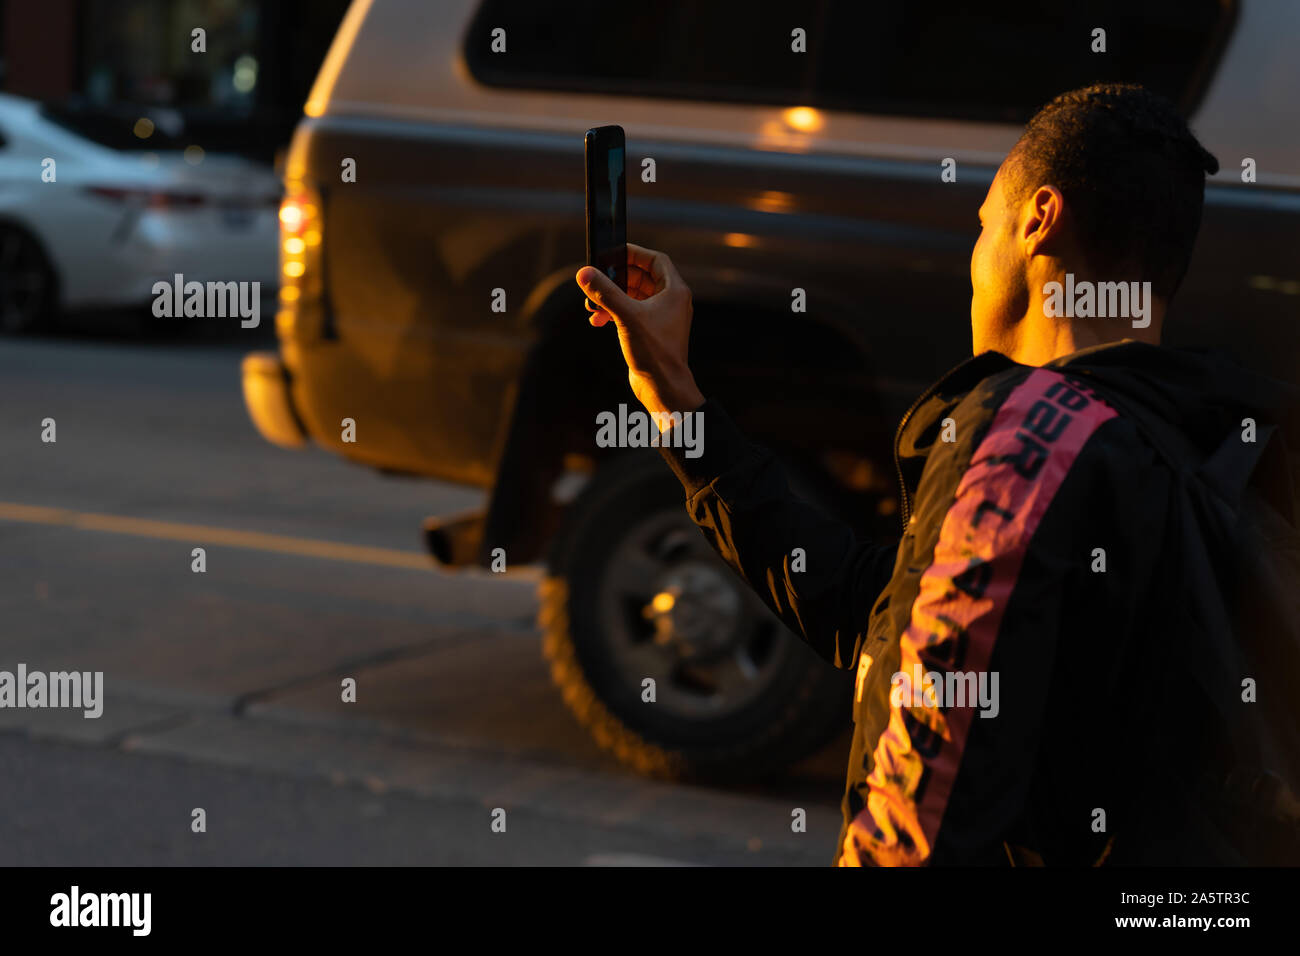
{"x": 204, "y": 535}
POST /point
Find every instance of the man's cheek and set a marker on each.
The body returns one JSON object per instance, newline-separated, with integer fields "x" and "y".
{"x": 976, "y": 256}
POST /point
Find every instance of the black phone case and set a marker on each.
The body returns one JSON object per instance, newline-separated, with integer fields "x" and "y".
{"x": 598, "y": 141}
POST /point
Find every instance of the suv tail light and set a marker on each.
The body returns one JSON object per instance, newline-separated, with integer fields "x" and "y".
{"x": 300, "y": 246}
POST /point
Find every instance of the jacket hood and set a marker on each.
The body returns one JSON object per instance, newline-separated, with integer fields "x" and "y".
{"x": 1202, "y": 391}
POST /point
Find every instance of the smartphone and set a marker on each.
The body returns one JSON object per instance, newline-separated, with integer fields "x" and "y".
{"x": 605, "y": 151}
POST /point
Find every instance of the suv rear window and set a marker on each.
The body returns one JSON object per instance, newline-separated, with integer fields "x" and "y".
{"x": 945, "y": 58}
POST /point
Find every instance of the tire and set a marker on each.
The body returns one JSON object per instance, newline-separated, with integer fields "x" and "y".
{"x": 738, "y": 697}
{"x": 27, "y": 282}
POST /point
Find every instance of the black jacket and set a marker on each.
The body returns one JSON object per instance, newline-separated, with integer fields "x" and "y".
{"x": 1033, "y": 517}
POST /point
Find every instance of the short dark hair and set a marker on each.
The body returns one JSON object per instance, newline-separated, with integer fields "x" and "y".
{"x": 1131, "y": 172}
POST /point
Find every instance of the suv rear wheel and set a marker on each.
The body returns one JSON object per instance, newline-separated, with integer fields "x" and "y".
{"x": 636, "y": 593}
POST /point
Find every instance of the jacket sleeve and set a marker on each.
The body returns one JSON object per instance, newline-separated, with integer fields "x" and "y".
{"x": 807, "y": 567}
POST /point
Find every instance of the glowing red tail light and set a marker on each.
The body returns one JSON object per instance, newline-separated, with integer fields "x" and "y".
{"x": 149, "y": 198}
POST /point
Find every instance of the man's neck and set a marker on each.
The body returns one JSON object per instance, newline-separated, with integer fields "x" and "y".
{"x": 1037, "y": 340}
{"x": 1040, "y": 343}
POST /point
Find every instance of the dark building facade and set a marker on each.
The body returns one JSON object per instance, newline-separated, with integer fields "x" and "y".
{"x": 113, "y": 61}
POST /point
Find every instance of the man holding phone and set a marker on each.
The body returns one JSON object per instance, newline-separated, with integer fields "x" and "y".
{"x": 1093, "y": 746}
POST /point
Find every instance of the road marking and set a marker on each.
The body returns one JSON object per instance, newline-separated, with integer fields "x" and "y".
{"x": 206, "y": 535}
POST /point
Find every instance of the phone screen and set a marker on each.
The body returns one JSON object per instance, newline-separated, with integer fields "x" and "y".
{"x": 607, "y": 203}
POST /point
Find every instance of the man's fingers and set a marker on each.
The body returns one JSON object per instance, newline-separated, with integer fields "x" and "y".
{"x": 597, "y": 313}
{"x": 643, "y": 258}
{"x": 656, "y": 263}
{"x": 640, "y": 284}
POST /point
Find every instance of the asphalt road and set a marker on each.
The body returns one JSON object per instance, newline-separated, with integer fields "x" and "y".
{"x": 222, "y": 689}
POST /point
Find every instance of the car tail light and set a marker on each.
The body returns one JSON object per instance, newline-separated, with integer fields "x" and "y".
{"x": 149, "y": 198}
{"x": 300, "y": 245}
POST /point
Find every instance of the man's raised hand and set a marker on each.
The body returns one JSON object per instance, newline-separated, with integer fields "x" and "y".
{"x": 653, "y": 319}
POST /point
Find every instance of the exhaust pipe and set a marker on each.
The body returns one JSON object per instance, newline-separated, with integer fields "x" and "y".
{"x": 454, "y": 540}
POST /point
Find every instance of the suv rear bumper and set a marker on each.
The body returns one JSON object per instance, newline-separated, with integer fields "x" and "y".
{"x": 269, "y": 401}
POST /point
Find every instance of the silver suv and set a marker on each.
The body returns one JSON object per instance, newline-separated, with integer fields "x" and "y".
{"x": 434, "y": 221}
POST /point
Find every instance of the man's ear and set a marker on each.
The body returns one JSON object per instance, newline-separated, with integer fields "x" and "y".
{"x": 1044, "y": 220}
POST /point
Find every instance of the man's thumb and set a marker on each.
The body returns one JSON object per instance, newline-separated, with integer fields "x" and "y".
{"x": 602, "y": 291}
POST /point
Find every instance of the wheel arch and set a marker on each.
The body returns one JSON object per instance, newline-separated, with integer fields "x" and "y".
{"x": 9, "y": 221}
{"x": 781, "y": 361}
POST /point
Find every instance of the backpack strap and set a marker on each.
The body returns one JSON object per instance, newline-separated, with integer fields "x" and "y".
{"x": 1227, "y": 470}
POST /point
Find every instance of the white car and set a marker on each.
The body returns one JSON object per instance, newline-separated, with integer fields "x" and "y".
{"x": 83, "y": 225}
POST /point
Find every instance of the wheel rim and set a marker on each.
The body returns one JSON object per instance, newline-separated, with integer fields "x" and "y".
{"x": 24, "y": 281}
{"x": 670, "y": 610}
